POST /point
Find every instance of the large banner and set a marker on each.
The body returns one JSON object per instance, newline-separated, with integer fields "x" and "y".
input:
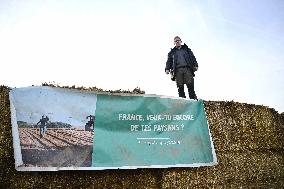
{"x": 63, "y": 129}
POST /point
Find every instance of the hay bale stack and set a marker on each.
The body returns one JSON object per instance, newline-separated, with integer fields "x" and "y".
{"x": 248, "y": 140}
{"x": 249, "y": 145}
{"x": 235, "y": 170}
{"x": 239, "y": 126}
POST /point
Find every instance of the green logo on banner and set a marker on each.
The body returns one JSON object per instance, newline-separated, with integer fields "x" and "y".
{"x": 140, "y": 131}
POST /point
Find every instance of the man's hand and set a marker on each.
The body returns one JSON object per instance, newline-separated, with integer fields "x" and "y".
{"x": 167, "y": 71}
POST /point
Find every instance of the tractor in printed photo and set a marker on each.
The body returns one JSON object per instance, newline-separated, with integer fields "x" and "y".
{"x": 89, "y": 126}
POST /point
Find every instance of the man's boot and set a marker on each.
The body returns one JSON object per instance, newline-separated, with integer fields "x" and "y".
{"x": 191, "y": 92}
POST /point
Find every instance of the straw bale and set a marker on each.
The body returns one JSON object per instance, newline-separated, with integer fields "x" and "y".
{"x": 239, "y": 126}
{"x": 85, "y": 179}
{"x": 247, "y": 138}
{"x": 136, "y": 90}
{"x": 236, "y": 169}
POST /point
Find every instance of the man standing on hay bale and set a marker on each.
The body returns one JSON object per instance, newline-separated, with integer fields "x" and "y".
{"x": 182, "y": 64}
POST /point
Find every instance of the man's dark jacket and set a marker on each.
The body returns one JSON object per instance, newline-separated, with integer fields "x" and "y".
{"x": 189, "y": 57}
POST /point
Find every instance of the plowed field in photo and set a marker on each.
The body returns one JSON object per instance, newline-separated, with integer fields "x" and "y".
{"x": 58, "y": 147}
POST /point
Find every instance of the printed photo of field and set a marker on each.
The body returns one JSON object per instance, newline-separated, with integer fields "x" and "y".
{"x": 58, "y": 147}
{"x": 56, "y": 127}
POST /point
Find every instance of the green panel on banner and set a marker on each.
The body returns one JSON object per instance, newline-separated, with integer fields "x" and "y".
{"x": 149, "y": 131}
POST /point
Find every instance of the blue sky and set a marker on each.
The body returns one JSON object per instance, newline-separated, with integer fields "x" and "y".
{"x": 239, "y": 45}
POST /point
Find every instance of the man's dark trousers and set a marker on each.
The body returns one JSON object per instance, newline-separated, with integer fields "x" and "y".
{"x": 184, "y": 76}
